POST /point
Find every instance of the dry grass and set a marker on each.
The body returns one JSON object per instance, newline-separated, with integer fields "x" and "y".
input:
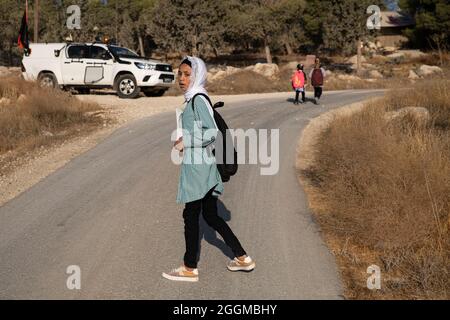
{"x": 250, "y": 82}
{"x": 353, "y": 84}
{"x": 381, "y": 194}
{"x": 31, "y": 117}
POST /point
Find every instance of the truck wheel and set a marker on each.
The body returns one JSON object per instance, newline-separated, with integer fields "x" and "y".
{"x": 158, "y": 93}
{"x": 127, "y": 87}
{"x": 47, "y": 80}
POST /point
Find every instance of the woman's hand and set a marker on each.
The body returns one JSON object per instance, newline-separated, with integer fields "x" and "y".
{"x": 178, "y": 145}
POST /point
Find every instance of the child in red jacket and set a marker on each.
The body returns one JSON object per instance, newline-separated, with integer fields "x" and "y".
{"x": 298, "y": 83}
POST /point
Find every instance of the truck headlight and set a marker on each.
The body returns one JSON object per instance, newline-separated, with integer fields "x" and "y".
{"x": 145, "y": 66}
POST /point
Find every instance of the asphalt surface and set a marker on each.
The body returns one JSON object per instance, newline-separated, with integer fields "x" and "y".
{"x": 112, "y": 212}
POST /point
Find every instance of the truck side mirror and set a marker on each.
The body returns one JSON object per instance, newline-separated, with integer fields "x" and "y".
{"x": 57, "y": 52}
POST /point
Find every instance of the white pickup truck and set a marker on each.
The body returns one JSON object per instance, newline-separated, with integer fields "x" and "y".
{"x": 84, "y": 66}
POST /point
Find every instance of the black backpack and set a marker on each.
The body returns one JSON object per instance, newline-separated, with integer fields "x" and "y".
{"x": 223, "y": 141}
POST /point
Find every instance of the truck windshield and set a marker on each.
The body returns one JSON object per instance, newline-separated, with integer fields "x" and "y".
{"x": 122, "y": 52}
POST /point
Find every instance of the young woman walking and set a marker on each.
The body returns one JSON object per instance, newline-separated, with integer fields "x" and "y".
{"x": 200, "y": 184}
{"x": 317, "y": 76}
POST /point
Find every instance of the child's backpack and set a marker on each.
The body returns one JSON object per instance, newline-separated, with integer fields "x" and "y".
{"x": 223, "y": 141}
{"x": 298, "y": 80}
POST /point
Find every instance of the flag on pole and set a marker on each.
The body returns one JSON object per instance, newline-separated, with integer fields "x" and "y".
{"x": 23, "y": 40}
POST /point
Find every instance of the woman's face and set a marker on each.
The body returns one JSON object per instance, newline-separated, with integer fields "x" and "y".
{"x": 184, "y": 77}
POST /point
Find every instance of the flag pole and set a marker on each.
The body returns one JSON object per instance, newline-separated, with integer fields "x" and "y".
{"x": 36, "y": 20}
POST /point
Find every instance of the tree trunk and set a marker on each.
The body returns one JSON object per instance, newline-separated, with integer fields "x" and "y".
{"x": 141, "y": 45}
{"x": 10, "y": 56}
{"x": 441, "y": 58}
{"x": 117, "y": 21}
{"x": 358, "y": 60}
{"x": 194, "y": 46}
{"x": 267, "y": 49}
{"x": 287, "y": 45}
{"x": 288, "y": 48}
{"x": 216, "y": 52}
{"x": 36, "y": 20}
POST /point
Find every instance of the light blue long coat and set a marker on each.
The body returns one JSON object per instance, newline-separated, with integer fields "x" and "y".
{"x": 197, "y": 179}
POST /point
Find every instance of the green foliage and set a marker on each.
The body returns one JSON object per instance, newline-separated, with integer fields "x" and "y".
{"x": 188, "y": 25}
{"x": 206, "y": 27}
{"x": 432, "y": 27}
{"x": 345, "y": 23}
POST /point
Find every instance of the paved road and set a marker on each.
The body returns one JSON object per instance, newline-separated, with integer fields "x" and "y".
{"x": 112, "y": 212}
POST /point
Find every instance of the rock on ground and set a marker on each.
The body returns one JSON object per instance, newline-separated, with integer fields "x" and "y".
{"x": 375, "y": 74}
{"x": 268, "y": 70}
{"x": 354, "y": 60}
{"x": 413, "y": 53}
{"x": 426, "y": 70}
{"x": 412, "y": 75}
{"x": 396, "y": 55}
{"x": 420, "y": 114}
{"x": 347, "y": 77}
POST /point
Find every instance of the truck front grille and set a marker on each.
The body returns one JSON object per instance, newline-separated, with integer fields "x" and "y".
{"x": 167, "y": 77}
{"x": 163, "y": 67}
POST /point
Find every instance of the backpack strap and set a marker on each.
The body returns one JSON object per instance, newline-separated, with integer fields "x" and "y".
{"x": 203, "y": 95}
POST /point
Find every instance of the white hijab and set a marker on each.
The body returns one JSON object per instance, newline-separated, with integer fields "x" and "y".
{"x": 198, "y": 78}
{"x": 196, "y": 85}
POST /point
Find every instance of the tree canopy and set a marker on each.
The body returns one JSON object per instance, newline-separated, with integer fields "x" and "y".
{"x": 211, "y": 27}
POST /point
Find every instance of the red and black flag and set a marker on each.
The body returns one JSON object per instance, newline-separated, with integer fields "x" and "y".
{"x": 23, "y": 40}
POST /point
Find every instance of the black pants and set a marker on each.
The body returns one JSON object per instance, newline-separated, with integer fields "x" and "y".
{"x": 297, "y": 94}
{"x": 317, "y": 92}
{"x": 191, "y": 213}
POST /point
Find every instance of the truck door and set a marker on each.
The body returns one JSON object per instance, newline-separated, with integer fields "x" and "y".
{"x": 74, "y": 64}
{"x": 99, "y": 66}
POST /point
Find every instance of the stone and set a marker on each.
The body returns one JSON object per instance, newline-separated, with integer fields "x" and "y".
{"x": 413, "y": 53}
{"x": 21, "y": 98}
{"x": 396, "y": 55}
{"x": 219, "y": 75}
{"x": 426, "y": 70}
{"x": 375, "y": 74}
{"x": 354, "y": 60}
{"x": 347, "y": 77}
{"x": 420, "y": 114}
{"x": 371, "y": 45}
{"x": 390, "y": 49}
{"x": 412, "y": 75}
{"x": 5, "y": 101}
{"x": 230, "y": 70}
{"x": 47, "y": 134}
{"x": 368, "y": 66}
{"x": 268, "y": 70}
{"x": 4, "y": 71}
{"x": 213, "y": 70}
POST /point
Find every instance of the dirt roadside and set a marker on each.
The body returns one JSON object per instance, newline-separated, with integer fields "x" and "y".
{"x": 305, "y": 160}
{"x": 305, "y": 147}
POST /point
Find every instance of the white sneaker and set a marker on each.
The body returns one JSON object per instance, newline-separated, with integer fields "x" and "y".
{"x": 237, "y": 265}
{"x": 182, "y": 274}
